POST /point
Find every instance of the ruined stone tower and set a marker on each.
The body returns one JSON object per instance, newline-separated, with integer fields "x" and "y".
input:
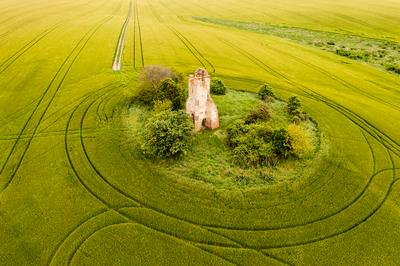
{"x": 199, "y": 104}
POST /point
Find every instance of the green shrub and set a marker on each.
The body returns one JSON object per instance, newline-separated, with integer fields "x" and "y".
{"x": 146, "y": 95}
{"x": 353, "y": 53}
{"x": 234, "y": 132}
{"x": 170, "y": 90}
{"x": 262, "y": 131}
{"x": 155, "y": 84}
{"x": 343, "y": 52}
{"x": 262, "y": 113}
{"x": 251, "y": 144}
{"x": 217, "y": 87}
{"x": 294, "y": 106}
{"x": 265, "y": 92}
{"x": 252, "y": 151}
{"x": 167, "y": 134}
{"x": 281, "y": 143}
{"x": 300, "y": 140}
{"x": 162, "y": 105}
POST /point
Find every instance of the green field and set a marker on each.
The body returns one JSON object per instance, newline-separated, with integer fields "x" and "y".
{"x": 73, "y": 191}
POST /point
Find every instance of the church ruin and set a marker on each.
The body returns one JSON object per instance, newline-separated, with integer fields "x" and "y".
{"x": 199, "y": 104}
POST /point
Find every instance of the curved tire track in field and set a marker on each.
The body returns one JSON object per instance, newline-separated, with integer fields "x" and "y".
{"x": 380, "y": 136}
{"x": 138, "y": 202}
{"x": 257, "y": 61}
{"x": 60, "y": 244}
{"x": 119, "y": 50}
{"x": 291, "y": 244}
{"x": 346, "y": 114}
{"x": 75, "y": 251}
{"x": 68, "y": 148}
{"x": 66, "y": 66}
{"x": 82, "y": 182}
{"x": 341, "y": 232}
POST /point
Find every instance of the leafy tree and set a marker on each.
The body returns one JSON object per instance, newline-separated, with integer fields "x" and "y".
{"x": 170, "y": 90}
{"x": 281, "y": 142}
{"x": 265, "y": 92}
{"x": 167, "y": 134}
{"x": 150, "y": 80}
{"x": 294, "y": 106}
{"x": 217, "y": 87}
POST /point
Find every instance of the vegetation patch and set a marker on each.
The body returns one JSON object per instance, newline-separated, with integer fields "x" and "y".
{"x": 217, "y": 87}
{"x": 261, "y": 141}
{"x": 382, "y": 53}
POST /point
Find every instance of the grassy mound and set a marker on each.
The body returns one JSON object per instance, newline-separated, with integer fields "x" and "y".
{"x": 211, "y": 161}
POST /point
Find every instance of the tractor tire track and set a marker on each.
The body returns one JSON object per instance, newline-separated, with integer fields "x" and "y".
{"x": 75, "y": 251}
{"x": 90, "y": 190}
{"x": 279, "y": 228}
{"x": 190, "y": 47}
{"x": 8, "y": 62}
{"x": 14, "y": 57}
{"x": 138, "y": 29}
{"x": 68, "y": 146}
{"x": 42, "y": 16}
{"x": 380, "y": 136}
{"x": 48, "y": 134}
{"x": 74, "y": 54}
{"x": 57, "y": 118}
{"x": 119, "y": 50}
{"x": 341, "y": 232}
{"x": 140, "y": 203}
{"x": 336, "y": 78}
{"x": 118, "y": 190}
{"x": 58, "y": 246}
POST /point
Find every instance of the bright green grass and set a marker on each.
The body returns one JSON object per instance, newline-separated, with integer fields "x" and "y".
{"x": 71, "y": 178}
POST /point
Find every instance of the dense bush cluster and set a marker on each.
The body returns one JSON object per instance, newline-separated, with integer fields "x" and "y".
{"x": 167, "y": 134}
{"x": 260, "y": 145}
{"x": 255, "y": 143}
{"x": 160, "y": 84}
{"x": 262, "y": 113}
{"x": 251, "y": 144}
{"x": 217, "y": 87}
{"x": 265, "y": 92}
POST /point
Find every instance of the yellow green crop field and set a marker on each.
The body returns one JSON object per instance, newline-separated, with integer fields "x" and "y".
{"x": 73, "y": 191}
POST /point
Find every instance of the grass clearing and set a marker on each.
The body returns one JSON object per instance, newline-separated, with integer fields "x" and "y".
{"x": 210, "y": 160}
